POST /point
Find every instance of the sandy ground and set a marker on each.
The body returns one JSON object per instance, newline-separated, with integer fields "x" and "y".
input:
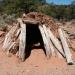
{"x": 36, "y": 64}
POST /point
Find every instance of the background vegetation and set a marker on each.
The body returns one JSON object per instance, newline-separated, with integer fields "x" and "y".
{"x": 64, "y": 12}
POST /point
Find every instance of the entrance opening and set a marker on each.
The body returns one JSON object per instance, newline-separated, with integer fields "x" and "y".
{"x": 33, "y": 39}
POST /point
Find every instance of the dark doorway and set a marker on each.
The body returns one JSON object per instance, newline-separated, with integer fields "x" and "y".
{"x": 33, "y": 39}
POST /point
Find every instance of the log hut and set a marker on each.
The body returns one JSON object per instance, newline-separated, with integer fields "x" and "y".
{"x": 35, "y": 29}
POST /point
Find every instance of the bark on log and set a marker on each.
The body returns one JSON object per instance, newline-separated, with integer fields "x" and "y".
{"x": 55, "y": 42}
{"x": 65, "y": 46}
{"x": 49, "y": 41}
{"x": 22, "y": 42}
{"x": 46, "y": 44}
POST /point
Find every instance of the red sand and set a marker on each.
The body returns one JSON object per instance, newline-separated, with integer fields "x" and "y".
{"x": 36, "y": 64}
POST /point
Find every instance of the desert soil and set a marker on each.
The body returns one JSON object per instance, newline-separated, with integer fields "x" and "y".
{"x": 35, "y": 64}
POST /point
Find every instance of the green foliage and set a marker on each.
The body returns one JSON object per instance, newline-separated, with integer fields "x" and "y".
{"x": 64, "y": 12}
{"x": 17, "y": 6}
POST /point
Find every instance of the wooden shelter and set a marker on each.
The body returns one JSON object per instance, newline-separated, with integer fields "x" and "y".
{"x": 37, "y": 28}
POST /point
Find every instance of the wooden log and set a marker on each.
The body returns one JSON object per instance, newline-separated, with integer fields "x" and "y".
{"x": 71, "y": 43}
{"x": 30, "y": 21}
{"x": 49, "y": 41}
{"x": 7, "y": 42}
{"x": 65, "y": 46}
{"x": 11, "y": 45}
{"x": 22, "y": 39}
{"x": 8, "y": 37}
{"x": 18, "y": 33}
{"x": 56, "y": 42}
{"x": 67, "y": 38}
{"x": 46, "y": 44}
{"x": 51, "y": 45}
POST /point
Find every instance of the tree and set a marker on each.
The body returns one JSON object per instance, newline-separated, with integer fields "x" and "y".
{"x": 57, "y": 11}
{"x": 15, "y": 6}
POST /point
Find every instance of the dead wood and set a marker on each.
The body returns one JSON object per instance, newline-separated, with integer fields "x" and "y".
{"x": 65, "y": 46}
{"x": 30, "y": 21}
{"x": 46, "y": 43}
{"x": 8, "y": 38}
{"x": 55, "y": 42}
{"x": 22, "y": 42}
{"x": 49, "y": 41}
